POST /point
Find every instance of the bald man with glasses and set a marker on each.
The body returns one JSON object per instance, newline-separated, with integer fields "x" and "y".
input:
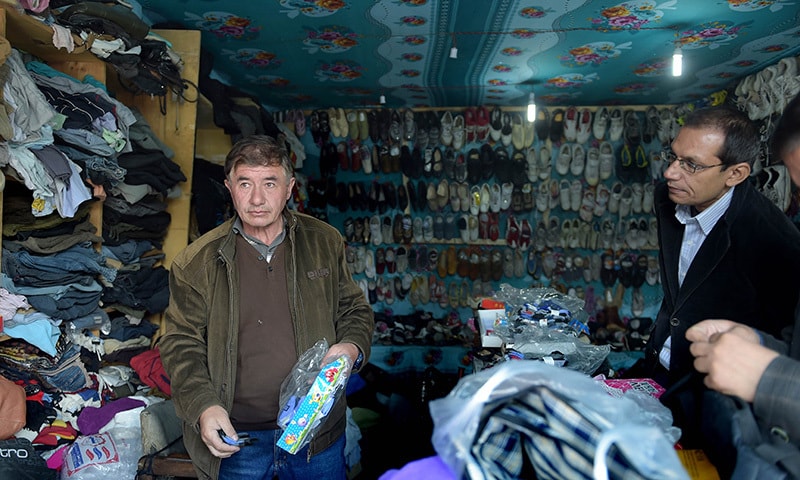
{"x": 725, "y": 250}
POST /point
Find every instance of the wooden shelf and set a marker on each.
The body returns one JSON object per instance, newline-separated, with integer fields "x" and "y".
{"x": 31, "y": 35}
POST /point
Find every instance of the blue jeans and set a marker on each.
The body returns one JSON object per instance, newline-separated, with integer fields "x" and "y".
{"x": 263, "y": 460}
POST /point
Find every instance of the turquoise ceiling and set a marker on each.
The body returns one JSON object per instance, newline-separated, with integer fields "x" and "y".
{"x": 319, "y": 53}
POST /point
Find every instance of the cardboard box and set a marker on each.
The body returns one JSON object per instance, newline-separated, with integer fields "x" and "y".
{"x": 488, "y": 320}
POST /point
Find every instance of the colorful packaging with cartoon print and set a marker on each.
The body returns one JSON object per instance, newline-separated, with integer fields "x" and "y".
{"x": 308, "y": 394}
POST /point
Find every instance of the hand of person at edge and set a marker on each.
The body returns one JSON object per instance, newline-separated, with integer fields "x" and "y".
{"x": 212, "y": 420}
{"x": 731, "y": 356}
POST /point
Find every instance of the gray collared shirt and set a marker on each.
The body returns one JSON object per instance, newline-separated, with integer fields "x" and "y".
{"x": 266, "y": 251}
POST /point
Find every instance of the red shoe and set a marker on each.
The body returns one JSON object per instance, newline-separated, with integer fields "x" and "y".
{"x": 470, "y": 124}
{"x": 355, "y": 157}
{"x": 512, "y": 232}
{"x": 494, "y": 228}
{"x": 525, "y": 233}
{"x": 344, "y": 158}
{"x": 481, "y": 123}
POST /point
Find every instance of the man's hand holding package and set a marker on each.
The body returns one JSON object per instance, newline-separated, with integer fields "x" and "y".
{"x": 731, "y": 356}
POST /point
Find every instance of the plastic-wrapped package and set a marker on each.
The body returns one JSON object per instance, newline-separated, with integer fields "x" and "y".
{"x": 542, "y": 322}
{"x": 639, "y": 429}
{"x": 307, "y": 395}
{"x": 112, "y": 454}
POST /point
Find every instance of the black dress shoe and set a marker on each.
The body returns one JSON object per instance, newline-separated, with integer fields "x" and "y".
{"x": 396, "y": 127}
{"x": 434, "y": 128}
{"x": 372, "y": 198}
{"x": 390, "y": 193}
{"x": 361, "y": 196}
{"x": 402, "y": 197}
{"x": 449, "y": 164}
{"x": 405, "y": 160}
{"x": 487, "y": 162}
{"x": 519, "y": 168}
{"x": 474, "y": 166}
{"x": 384, "y": 123}
{"x": 417, "y": 163}
{"x": 422, "y": 200}
{"x": 542, "y": 124}
{"x": 373, "y": 124}
{"x": 421, "y": 119}
{"x": 324, "y": 125}
{"x": 633, "y": 129}
{"x": 557, "y": 125}
{"x": 502, "y": 165}
{"x": 412, "y": 194}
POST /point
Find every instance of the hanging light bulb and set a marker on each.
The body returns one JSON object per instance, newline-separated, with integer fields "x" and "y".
{"x": 677, "y": 63}
{"x": 382, "y": 99}
{"x": 531, "y": 108}
{"x": 454, "y": 49}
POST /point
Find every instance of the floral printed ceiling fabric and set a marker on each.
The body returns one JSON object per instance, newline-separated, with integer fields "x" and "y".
{"x": 322, "y": 53}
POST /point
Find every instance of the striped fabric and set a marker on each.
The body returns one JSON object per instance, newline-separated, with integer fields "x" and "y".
{"x": 557, "y": 435}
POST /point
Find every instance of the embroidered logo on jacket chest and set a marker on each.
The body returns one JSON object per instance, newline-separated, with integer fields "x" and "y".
{"x": 318, "y": 273}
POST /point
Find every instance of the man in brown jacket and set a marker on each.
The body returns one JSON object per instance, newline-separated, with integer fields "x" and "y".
{"x": 248, "y": 298}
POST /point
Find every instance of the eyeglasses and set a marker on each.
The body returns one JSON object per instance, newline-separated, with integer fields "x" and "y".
{"x": 687, "y": 165}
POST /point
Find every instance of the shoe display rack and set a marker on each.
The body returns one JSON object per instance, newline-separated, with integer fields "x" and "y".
{"x": 440, "y": 207}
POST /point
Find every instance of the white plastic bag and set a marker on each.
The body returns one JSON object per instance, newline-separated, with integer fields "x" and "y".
{"x": 112, "y": 454}
{"x": 625, "y": 422}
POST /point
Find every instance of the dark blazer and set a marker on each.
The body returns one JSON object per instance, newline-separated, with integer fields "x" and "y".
{"x": 747, "y": 270}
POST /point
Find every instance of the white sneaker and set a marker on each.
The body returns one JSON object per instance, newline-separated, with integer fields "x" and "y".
{"x": 533, "y": 164}
{"x": 544, "y": 163}
{"x": 616, "y": 196}
{"x": 575, "y": 195}
{"x": 486, "y": 198}
{"x": 665, "y": 126}
{"x": 554, "y": 193}
{"x": 606, "y": 158}
{"x": 616, "y": 127}
{"x": 571, "y": 124}
{"x": 600, "y": 124}
{"x": 578, "y": 160}
{"x": 505, "y": 195}
{"x": 517, "y": 131}
{"x": 625, "y": 202}
{"x": 587, "y": 205}
{"x": 375, "y": 230}
{"x": 543, "y": 197}
{"x": 474, "y": 199}
{"x": 584, "y": 125}
{"x": 369, "y": 268}
{"x": 592, "y": 170}
{"x": 564, "y": 159}
{"x": 601, "y": 198}
{"x": 647, "y": 198}
{"x": 447, "y": 129}
{"x": 496, "y": 198}
{"x": 636, "y": 198}
{"x": 657, "y": 166}
{"x": 564, "y": 194}
{"x": 458, "y": 132}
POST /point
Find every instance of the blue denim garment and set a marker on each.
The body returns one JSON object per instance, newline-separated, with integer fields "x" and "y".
{"x": 71, "y": 306}
{"x": 78, "y": 258}
{"x": 55, "y": 291}
{"x": 263, "y": 460}
{"x": 129, "y": 251}
{"x": 69, "y": 374}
